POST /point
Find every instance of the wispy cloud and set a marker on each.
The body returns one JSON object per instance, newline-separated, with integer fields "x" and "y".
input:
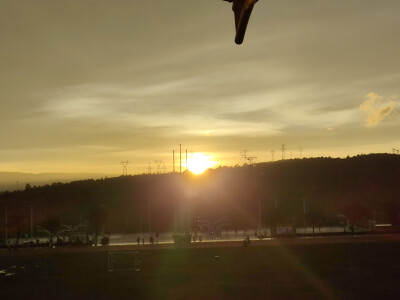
{"x": 377, "y": 108}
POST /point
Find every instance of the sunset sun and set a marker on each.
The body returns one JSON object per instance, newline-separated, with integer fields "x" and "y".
{"x": 199, "y": 162}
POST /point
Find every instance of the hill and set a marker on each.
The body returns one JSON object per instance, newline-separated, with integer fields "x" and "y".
{"x": 275, "y": 192}
{"x": 8, "y": 180}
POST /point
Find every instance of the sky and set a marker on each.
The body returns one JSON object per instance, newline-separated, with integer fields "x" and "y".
{"x": 86, "y": 84}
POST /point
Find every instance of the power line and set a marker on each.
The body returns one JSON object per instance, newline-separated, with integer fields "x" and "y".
{"x": 243, "y": 156}
{"x": 283, "y": 151}
{"x": 251, "y": 159}
{"x": 158, "y": 164}
{"x": 124, "y": 167}
{"x": 173, "y": 161}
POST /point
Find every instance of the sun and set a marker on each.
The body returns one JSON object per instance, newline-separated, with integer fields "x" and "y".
{"x": 199, "y": 162}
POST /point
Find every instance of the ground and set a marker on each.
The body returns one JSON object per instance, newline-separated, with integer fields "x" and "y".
{"x": 321, "y": 268}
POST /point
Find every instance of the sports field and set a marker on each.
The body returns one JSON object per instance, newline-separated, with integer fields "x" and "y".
{"x": 320, "y": 268}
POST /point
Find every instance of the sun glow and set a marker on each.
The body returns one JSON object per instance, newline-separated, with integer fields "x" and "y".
{"x": 199, "y": 162}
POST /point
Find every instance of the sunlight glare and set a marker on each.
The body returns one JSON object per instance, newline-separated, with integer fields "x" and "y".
{"x": 199, "y": 162}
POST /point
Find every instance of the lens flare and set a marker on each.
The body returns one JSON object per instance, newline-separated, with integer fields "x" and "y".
{"x": 199, "y": 162}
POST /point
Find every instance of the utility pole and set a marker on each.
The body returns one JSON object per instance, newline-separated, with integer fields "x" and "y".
{"x": 6, "y": 223}
{"x": 304, "y": 211}
{"x": 283, "y": 151}
{"x": 374, "y": 220}
{"x": 31, "y": 221}
{"x": 149, "y": 218}
{"x": 173, "y": 161}
{"x": 251, "y": 159}
{"x": 124, "y": 167}
{"x": 188, "y": 215}
{"x": 243, "y": 155}
{"x": 259, "y": 214}
{"x": 140, "y": 224}
{"x": 175, "y": 212}
{"x": 158, "y": 164}
{"x": 125, "y": 227}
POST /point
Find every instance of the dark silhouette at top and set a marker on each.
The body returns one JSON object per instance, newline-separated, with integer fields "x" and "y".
{"x": 242, "y": 10}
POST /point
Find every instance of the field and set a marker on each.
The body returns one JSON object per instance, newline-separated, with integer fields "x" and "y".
{"x": 320, "y": 268}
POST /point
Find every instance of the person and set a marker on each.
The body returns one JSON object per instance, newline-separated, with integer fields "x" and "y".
{"x": 151, "y": 240}
{"x": 143, "y": 240}
{"x": 138, "y": 240}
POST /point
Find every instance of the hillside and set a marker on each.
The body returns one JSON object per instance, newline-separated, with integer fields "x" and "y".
{"x": 8, "y": 180}
{"x": 356, "y": 187}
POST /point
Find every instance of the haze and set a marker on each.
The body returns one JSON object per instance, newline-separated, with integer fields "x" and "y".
{"x": 86, "y": 84}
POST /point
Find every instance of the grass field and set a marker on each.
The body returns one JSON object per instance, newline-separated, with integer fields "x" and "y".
{"x": 352, "y": 268}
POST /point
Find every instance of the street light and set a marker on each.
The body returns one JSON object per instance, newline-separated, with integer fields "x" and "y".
{"x": 304, "y": 211}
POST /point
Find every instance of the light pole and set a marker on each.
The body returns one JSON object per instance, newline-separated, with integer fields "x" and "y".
{"x": 6, "y": 223}
{"x": 140, "y": 224}
{"x": 31, "y": 221}
{"x": 149, "y": 218}
{"x": 125, "y": 227}
{"x": 304, "y": 211}
{"x": 259, "y": 202}
{"x": 259, "y": 214}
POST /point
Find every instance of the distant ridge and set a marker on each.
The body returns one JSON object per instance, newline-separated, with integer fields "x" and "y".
{"x": 283, "y": 192}
{"x": 8, "y": 180}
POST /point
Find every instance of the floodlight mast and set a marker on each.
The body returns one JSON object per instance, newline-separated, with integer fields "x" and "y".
{"x": 6, "y": 223}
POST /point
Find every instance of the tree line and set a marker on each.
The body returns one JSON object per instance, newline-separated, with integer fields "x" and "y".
{"x": 283, "y": 192}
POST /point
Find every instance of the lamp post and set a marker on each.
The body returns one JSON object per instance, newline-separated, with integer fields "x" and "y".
{"x": 6, "y": 223}
{"x": 149, "y": 218}
{"x": 31, "y": 221}
{"x": 304, "y": 211}
{"x": 259, "y": 202}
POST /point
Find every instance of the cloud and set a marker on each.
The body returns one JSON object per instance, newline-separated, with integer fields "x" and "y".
{"x": 377, "y": 108}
